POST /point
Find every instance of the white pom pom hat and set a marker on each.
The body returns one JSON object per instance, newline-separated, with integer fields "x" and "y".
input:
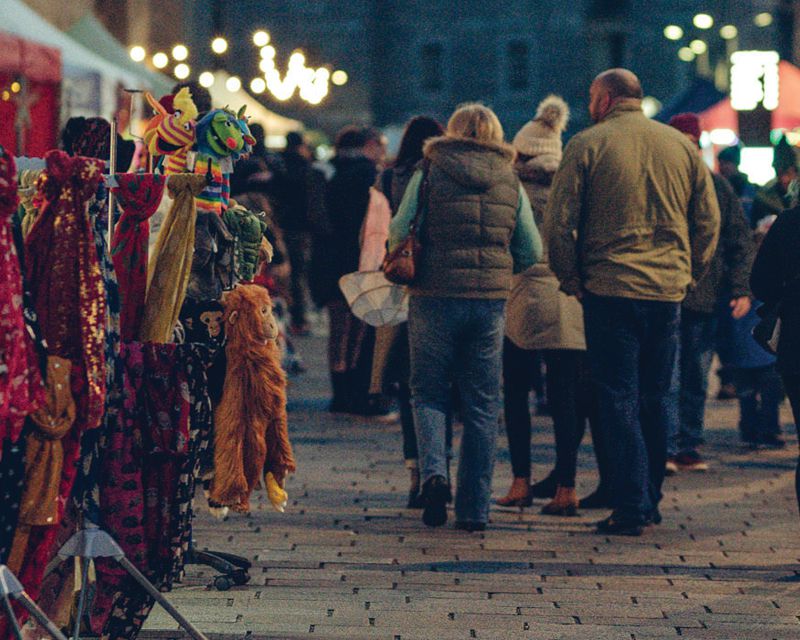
{"x": 542, "y": 135}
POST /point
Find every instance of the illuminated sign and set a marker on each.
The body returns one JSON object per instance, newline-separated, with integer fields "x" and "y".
{"x": 755, "y": 80}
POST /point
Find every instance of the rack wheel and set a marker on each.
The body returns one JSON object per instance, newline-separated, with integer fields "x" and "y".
{"x": 240, "y": 577}
{"x": 223, "y": 583}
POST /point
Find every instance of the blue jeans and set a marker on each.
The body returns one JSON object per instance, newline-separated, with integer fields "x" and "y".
{"x": 690, "y": 381}
{"x": 461, "y": 340}
{"x": 631, "y": 348}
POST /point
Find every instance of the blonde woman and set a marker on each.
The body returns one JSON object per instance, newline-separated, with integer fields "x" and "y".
{"x": 477, "y": 230}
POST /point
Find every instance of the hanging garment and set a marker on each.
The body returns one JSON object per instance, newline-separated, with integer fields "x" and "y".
{"x": 139, "y": 195}
{"x": 21, "y": 389}
{"x": 177, "y": 374}
{"x": 68, "y": 295}
{"x": 29, "y": 206}
{"x": 216, "y": 193}
{"x": 12, "y": 474}
{"x": 170, "y": 264}
{"x": 213, "y": 260}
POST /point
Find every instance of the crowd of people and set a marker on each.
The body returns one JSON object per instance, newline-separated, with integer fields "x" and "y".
{"x": 621, "y": 262}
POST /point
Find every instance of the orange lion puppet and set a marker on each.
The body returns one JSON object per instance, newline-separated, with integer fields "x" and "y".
{"x": 251, "y": 433}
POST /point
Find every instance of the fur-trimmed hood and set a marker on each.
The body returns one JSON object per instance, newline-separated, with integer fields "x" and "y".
{"x": 468, "y": 161}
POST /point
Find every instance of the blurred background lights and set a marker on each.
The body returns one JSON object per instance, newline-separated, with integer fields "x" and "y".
{"x": 182, "y": 71}
{"x": 267, "y": 52}
{"x": 233, "y": 84}
{"x": 673, "y": 32}
{"x": 137, "y": 53}
{"x": 703, "y": 21}
{"x": 265, "y": 65}
{"x": 686, "y": 54}
{"x": 180, "y": 52}
{"x": 206, "y": 79}
{"x": 763, "y": 19}
{"x": 698, "y": 47}
{"x": 160, "y": 60}
{"x": 260, "y": 38}
{"x": 258, "y": 85}
{"x": 728, "y": 32}
{"x": 339, "y": 78}
{"x": 219, "y": 45}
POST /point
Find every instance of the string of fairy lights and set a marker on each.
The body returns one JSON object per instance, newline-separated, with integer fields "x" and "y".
{"x": 311, "y": 84}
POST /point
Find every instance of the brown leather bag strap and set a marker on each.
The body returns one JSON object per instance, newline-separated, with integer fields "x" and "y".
{"x": 422, "y": 199}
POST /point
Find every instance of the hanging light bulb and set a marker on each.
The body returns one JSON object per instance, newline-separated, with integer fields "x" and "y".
{"x": 182, "y": 71}
{"x": 206, "y": 79}
{"x": 219, "y": 45}
{"x": 233, "y": 84}
{"x": 261, "y": 38}
{"x": 137, "y": 53}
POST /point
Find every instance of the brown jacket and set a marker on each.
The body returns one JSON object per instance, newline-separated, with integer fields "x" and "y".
{"x": 633, "y": 212}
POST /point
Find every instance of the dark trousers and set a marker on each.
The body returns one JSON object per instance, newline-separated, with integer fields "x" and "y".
{"x": 571, "y": 401}
{"x": 760, "y": 395}
{"x": 791, "y": 384}
{"x": 632, "y": 346}
{"x": 297, "y": 243}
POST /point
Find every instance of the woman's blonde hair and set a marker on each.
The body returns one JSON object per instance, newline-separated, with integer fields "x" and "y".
{"x": 474, "y": 120}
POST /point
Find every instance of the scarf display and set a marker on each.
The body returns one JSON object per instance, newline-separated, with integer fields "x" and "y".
{"x": 139, "y": 195}
{"x": 171, "y": 262}
{"x": 21, "y": 389}
{"x": 217, "y": 192}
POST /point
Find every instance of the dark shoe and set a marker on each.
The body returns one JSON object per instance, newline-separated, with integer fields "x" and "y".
{"x": 597, "y": 500}
{"x": 471, "y": 527}
{"x": 544, "y": 489}
{"x": 772, "y": 441}
{"x": 727, "y": 392}
{"x": 434, "y": 498}
{"x": 691, "y": 461}
{"x": 613, "y": 527}
{"x": 519, "y": 495}
{"x": 414, "y": 499}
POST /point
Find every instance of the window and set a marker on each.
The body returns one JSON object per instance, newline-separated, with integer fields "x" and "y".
{"x": 432, "y": 66}
{"x": 518, "y": 68}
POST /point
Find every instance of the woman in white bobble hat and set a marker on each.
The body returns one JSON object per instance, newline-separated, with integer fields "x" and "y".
{"x": 542, "y": 318}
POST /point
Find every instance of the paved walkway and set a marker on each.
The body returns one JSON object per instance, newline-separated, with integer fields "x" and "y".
{"x": 348, "y": 561}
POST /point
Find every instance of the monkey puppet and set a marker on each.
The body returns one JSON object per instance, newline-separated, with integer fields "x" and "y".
{"x": 250, "y": 424}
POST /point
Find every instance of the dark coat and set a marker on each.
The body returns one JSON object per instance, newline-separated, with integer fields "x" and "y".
{"x": 338, "y": 200}
{"x": 729, "y": 271}
{"x": 775, "y": 280}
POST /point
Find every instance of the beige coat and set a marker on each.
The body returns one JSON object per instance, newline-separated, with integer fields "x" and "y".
{"x": 538, "y": 314}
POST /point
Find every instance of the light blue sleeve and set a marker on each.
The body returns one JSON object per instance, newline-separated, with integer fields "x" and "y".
{"x": 398, "y": 229}
{"x": 526, "y": 243}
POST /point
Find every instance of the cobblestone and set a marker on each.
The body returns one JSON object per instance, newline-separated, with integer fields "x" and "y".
{"x": 348, "y": 561}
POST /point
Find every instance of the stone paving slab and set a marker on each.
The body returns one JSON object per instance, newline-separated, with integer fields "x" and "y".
{"x": 348, "y": 561}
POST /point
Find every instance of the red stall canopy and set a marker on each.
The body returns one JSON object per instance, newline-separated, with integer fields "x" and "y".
{"x": 30, "y": 75}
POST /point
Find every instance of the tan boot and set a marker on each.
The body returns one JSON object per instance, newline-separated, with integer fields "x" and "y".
{"x": 564, "y": 504}
{"x": 519, "y": 495}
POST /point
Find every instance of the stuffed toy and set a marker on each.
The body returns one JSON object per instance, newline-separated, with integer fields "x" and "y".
{"x": 222, "y": 137}
{"x": 251, "y": 439}
{"x": 248, "y": 228}
{"x": 172, "y": 135}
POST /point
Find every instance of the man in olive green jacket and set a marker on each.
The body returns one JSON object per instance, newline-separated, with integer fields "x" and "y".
{"x": 634, "y": 222}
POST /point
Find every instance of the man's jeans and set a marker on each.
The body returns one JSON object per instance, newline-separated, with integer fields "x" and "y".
{"x": 631, "y": 347}
{"x": 690, "y": 381}
{"x": 457, "y": 339}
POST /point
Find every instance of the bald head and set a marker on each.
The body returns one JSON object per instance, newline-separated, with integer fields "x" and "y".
{"x": 610, "y": 87}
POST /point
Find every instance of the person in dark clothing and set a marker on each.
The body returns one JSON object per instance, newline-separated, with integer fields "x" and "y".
{"x": 338, "y": 199}
{"x": 775, "y": 280}
{"x": 292, "y": 194}
{"x": 727, "y": 278}
{"x": 781, "y": 192}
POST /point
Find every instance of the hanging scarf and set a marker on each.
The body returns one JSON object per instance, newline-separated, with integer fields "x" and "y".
{"x": 21, "y": 388}
{"x": 171, "y": 262}
{"x": 216, "y": 194}
{"x": 64, "y": 273}
{"x": 139, "y": 195}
